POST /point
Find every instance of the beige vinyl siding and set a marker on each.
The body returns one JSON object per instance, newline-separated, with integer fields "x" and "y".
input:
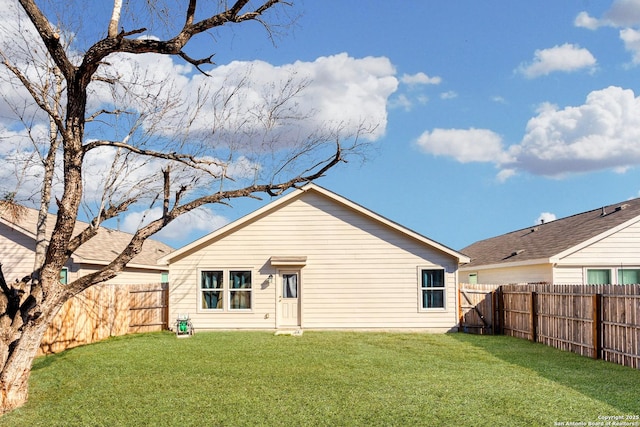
{"x": 359, "y": 273}
{"x": 17, "y": 254}
{"x": 128, "y": 276}
{"x": 564, "y": 275}
{"x": 517, "y": 274}
{"x": 620, "y": 248}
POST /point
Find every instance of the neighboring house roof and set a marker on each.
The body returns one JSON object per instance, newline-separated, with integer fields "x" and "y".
{"x": 297, "y": 194}
{"x": 550, "y": 242}
{"x": 100, "y": 250}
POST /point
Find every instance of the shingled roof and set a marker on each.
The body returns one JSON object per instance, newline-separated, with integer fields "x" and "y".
{"x": 101, "y": 249}
{"x": 552, "y": 239}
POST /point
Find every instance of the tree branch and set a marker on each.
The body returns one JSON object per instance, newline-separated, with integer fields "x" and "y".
{"x": 104, "y": 111}
{"x": 92, "y": 229}
{"x": 197, "y": 62}
{"x": 53, "y": 114}
{"x": 186, "y": 159}
{"x": 50, "y": 37}
{"x": 135, "y": 245}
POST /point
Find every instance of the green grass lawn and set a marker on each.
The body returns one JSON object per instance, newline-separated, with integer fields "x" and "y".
{"x": 323, "y": 378}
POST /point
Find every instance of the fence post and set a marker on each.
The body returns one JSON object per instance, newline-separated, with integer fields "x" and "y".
{"x": 494, "y": 311}
{"x": 534, "y": 316}
{"x": 460, "y": 312}
{"x": 597, "y": 325}
{"x": 501, "y": 311}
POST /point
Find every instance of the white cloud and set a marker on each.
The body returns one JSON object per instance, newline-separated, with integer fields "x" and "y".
{"x": 600, "y": 134}
{"x": 449, "y": 95}
{"x": 239, "y": 99}
{"x": 603, "y": 133}
{"x": 464, "y": 145}
{"x": 566, "y": 58}
{"x": 622, "y": 13}
{"x": 631, "y": 39}
{"x": 545, "y": 217}
{"x": 420, "y": 79}
{"x": 401, "y": 101}
{"x": 505, "y": 174}
{"x": 583, "y": 20}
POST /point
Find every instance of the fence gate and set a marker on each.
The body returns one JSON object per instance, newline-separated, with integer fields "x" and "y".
{"x": 148, "y": 309}
{"x": 477, "y": 308}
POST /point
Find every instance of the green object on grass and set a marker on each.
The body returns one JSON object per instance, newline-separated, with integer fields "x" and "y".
{"x": 184, "y": 327}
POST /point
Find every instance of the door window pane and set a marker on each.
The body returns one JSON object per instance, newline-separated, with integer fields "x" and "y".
{"x": 290, "y": 286}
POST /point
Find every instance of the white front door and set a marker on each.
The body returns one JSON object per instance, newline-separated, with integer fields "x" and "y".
{"x": 289, "y": 299}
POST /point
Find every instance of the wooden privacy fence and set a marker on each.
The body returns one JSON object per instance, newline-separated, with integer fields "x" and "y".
{"x": 599, "y": 321}
{"x": 103, "y": 311}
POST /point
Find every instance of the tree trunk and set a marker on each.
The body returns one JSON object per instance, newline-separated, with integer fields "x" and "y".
{"x": 14, "y": 375}
{"x": 23, "y": 323}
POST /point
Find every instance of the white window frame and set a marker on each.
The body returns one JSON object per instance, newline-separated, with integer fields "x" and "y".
{"x": 421, "y": 306}
{"x": 226, "y": 290}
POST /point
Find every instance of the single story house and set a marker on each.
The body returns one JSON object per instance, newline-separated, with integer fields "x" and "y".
{"x": 601, "y": 246}
{"x": 18, "y": 242}
{"x": 313, "y": 259}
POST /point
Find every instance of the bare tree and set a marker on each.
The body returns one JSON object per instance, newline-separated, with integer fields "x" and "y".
{"x": 219, "y": 143}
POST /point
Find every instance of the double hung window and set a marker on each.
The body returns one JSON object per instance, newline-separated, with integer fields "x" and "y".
{"x": 236, "y": 295}
{"x": 432, "y": 289}
{"x": 211, "y": 287}
{"x": 239, "y": 290}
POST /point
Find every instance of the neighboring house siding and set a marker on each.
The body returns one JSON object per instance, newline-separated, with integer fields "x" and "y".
{"x": 620, "y": 248}
{"x": 568, "y": 275}
{"x": 517, "y": 274}
{"x": 17, "y": 256}
{"x": 129, "y": 276}
{"x": 359, "y": 273}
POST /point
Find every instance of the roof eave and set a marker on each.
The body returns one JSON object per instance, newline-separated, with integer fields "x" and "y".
{"x": 512, "y": 264}
{"x": 80, "y": 261}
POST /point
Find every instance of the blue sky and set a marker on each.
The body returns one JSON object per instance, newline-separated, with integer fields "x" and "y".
{"x": 491, "y": 66}
{"x": 493, "y": 114}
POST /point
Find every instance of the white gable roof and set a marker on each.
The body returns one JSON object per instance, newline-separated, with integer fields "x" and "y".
{"x": 297, "y": 194}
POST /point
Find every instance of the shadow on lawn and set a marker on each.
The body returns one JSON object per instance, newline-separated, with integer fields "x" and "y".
{"x": 607, "y": 382}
